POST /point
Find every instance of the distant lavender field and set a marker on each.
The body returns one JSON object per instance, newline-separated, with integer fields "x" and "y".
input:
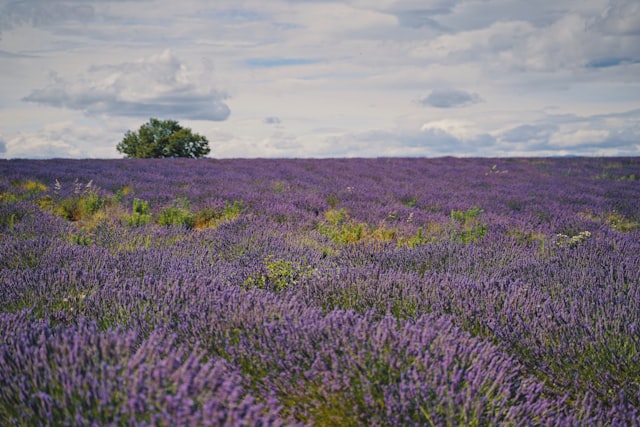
{"x": 337, "y": 292}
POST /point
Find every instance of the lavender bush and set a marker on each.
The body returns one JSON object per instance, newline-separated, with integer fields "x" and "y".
{"x": 436, "y": 292}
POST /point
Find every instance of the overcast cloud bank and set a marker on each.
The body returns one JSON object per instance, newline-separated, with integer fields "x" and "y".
{"x": 324, "y": 79}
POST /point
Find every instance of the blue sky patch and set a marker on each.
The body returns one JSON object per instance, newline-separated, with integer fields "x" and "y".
{"x": 611, "y": 62}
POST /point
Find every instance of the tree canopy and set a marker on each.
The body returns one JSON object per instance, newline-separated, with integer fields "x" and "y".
{"x": 163, "y": 138}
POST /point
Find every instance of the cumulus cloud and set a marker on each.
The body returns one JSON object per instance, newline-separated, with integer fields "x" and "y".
{"x": 450, "y": 98}
{"x": 3, "y": 146}
{"x": 160, "y": 85}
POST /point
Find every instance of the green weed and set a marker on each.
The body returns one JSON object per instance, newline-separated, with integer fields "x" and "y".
{"x": 140, "y": 214}
{"x": 177, "y": 214}
{"x": 466, "y": 226}
{"x": 620, "y": 223}
{"x": 212, "y": 218}
{"x": 280, "y": 275}
{"x": 83, "y": 237}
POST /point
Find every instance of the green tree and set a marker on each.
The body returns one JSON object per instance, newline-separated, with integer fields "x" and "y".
{"x": 163, "y": 138}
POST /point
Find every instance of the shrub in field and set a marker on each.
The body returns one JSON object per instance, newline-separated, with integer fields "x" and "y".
{"x": 620, "y": 223}
{"x": 177, "y": 214}
{"x": 280, "y": 274}
{"x": 121, "y": 193}
{"x": 342, "y": 229}
{"x": 140, "y": 214}
{"x": 210, "y": 217}
{"x": 31, "y": 187}
{"x": 82, "y": 237}
{"x": 20, "y": 190}
{"x": 82, "y": 202}
{"x": 420, "y": 238}
{"x": 207, "y": 217}
{"x": 466, "y": 225}
{"x": 78, "y": 207}
{"x": 8, "y": 197}
{"x": 233, "y": 209}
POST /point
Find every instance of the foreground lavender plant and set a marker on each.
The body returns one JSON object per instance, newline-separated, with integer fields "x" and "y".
{"x": 82, "y": 376}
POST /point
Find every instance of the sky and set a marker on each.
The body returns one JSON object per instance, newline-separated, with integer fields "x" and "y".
{"x": 318, "y": 79}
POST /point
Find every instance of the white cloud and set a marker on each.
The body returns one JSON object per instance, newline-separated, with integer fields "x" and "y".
{"x": 559, "y": 41}
{"x": 458, "y": 128}
{"x": 608, "y": 134}
{"x": 571, "y": 137}
{"x": 160, "y": 85}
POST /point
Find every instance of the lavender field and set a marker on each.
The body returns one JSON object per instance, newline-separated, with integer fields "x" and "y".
{"x": 336, "y": 292}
